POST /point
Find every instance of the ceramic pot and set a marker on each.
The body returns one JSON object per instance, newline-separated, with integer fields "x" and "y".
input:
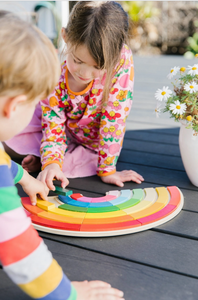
{"x": 188, "y": 145}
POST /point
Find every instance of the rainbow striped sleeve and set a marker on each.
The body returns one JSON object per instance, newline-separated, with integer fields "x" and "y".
{"x": 23, "y": 254}
{"x": 17, "y": 172}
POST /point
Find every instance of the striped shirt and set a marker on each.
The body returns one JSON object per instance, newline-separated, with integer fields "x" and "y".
{"x": 23, "y": 254}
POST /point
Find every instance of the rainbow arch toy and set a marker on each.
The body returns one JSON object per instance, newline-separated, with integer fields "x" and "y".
{"x": 116, "y": 213}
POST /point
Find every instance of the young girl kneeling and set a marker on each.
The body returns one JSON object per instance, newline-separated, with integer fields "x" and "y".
{"x": 84, "y": 119}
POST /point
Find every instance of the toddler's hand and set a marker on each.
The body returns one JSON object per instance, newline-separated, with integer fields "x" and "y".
{"x": 32, "y": 187}
{"x": 96, "y": 290}
{"x": 119, "y": 177}
{"x": 49, "y": 173}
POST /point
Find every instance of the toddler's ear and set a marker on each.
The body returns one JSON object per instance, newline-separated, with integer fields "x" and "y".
{"x": 12, "y": 103}
{"x": 64, "y": 34}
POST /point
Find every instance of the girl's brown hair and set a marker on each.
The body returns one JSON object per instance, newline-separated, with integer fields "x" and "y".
{"x": 102, "y": 26}
{"x": 29, "y": 63}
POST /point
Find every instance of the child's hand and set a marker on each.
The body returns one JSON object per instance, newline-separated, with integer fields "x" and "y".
{"x": 96, "y": 290}
{"x": 32, "y": 187}
{"x": 119, "y": 177}
{"x": 49, "y": 173}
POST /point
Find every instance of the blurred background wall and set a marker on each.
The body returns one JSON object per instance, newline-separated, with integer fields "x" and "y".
{"x": 157, "y": 27}
{"x": 163, "y": 27}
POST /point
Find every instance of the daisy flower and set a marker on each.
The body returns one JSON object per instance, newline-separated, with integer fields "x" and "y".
{"x": 182, "y": 69}
{"x": 173, "y": 72}
{"x": 177, "y": 108}
{"x": 193, "y": 70}
{"x": 163, "y": 94}
{"x": 189, "y": 118}
{"x": 191, "y": 87}
{"x": 157, "y": 111}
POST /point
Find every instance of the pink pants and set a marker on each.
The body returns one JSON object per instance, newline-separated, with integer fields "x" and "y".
{"x": 78, "y": 162}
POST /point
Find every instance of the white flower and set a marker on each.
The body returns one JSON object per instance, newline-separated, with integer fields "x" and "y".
{"x": 193, "y": 70}
{"x": 178, "y": 108}
{"x": 191, "y": 87}
{"x": 157, "y": 111}
{"x": 163, "y": 94}
{"x": 173, "y": 72}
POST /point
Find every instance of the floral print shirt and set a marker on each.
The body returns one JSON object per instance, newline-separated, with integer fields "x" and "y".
{"x": 97, "y": 127}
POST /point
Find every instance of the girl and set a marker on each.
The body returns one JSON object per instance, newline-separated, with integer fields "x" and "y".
{"x": 83, "y": 120}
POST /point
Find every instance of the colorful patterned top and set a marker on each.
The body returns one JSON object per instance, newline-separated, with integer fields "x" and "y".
{"x": 80, "y": 113}
{"x": 23, "y": 254}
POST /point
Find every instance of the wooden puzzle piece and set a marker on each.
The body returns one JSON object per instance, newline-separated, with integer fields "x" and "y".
{"x": 76, "y": 196}
{"x": 108, "y": 220}
{"x": 46, "y": 205}
{"x": 73, "y": 208}
{"x": 64, "y": 199}
{"x": 114, "y": 193}
{"x": 110, "y": 226}
{"x": 61, "y": 191}
{"x": 100, "y": 204}
{"x": 175, "y": 195}
{"x": 59, "y": 218}
{"x": 102, "y": 209}
{"x": 128, "y": 203}
{"x": 124, "y": 196}
{"x": 53, "y": 224}
{"x": 138, "y": 195}
{"x": 163, "y": 195}
{"x": 29, "y": 207}
{"x": 112, "y": 214}
{"x": 139, "y": 207}
{"x": 55, "y": 200}
{"x": 67, "y": 213}
{"x": 99, "y": 199}
{"x": 155, "y": 207}
{"x": 78, "y": 203}
{"x": 150, "y": 194}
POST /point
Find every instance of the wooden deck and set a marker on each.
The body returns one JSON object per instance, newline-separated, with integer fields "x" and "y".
{"x": 161, "y": 263}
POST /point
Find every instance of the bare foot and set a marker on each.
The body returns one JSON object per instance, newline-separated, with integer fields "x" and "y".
{"x": 96, "y": 290}
{"x": 31, "y": 163}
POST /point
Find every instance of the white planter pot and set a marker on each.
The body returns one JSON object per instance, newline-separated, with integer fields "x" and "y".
{"x": 188, "y": 144}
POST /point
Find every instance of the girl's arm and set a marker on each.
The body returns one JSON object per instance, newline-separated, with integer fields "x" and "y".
{"x": 53, "y": 144}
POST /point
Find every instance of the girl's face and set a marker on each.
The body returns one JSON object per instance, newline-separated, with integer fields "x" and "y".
{"x": 81, "y": 65}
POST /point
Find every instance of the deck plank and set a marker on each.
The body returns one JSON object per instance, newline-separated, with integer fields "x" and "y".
{"x": 152, "y": 248}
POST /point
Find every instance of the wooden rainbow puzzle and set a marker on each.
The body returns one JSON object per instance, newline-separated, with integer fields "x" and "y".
{"x": 116, "y": 213}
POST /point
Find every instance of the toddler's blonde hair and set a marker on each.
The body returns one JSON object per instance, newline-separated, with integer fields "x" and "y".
{"x": 29, "y": 64}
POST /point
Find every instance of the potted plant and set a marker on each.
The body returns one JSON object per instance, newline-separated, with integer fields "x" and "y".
{"x": 182, "y": 104}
